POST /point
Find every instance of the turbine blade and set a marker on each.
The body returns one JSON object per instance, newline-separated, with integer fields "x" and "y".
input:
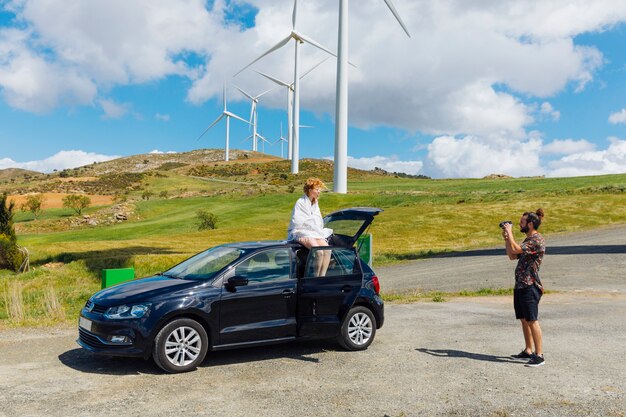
{"x": 224, "y": 96}
{"x": 314, "y": 43}
{"x": 269, "y": 51}
{"x": 211, "y": 125}
{"x": 306, "y": 127}
{"x": 294, "y": 14}
{"x": 243, "y": 92}
{"x": 312, "y": 68}
{"x": 265, "y": 92}
{"x": 236, "y": 117}
{"x": 397, "y": 16}
{"x": 269, "y": 77}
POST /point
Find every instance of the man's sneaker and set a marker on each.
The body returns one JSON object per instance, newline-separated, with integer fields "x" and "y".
{"x": 522, "y": 355}
{"x": 536, "y": 360}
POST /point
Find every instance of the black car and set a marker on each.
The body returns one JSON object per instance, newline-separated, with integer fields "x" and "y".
{"x": 240, "y": 295}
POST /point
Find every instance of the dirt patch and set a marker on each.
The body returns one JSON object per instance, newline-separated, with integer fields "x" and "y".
{"x": 55, "y": 200}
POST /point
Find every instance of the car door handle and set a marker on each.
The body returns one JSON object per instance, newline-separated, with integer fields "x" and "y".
{"x": 346, "y": 288}
{"x": 287, "y": 293}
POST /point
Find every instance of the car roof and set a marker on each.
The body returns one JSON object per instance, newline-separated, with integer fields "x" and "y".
{"x": 261, "y": 244}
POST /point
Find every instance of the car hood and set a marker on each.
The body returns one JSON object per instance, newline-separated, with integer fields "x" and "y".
{"x": 140, "y": 290}
{"x": 350, "y": 223}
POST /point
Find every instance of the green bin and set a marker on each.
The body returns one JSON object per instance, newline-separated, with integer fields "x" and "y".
{"x": 112, "y": 277}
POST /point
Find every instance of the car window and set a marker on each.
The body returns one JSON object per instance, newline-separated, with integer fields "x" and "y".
{"x": 339, "y": 261}
{"x": 345, "y": 227}
{"x": 205, "y": 264}
{"x": 266, "y": 266}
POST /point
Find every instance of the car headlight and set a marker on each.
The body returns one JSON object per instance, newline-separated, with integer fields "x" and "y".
{"x": 127, "y": 311}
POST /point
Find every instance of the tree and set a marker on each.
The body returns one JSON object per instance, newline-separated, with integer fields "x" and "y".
{"x": 206, "y": 220}
{"x": 163, "y": 194}
{"x": 146, "y": 195}
{"x": 10, "y": 255}
{"x": 7, "y": 211}
{"x": 76, "y": 202}
{"x": 33, "y": 204}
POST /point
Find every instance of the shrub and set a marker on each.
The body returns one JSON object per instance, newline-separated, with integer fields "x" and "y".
{"x": 146, "y": 195}
{"x": 33, "y": 204}
{"x": 163, "y": 194}
{"x": 76, "y": 202}
{"x": 10, "y": 255}
{"x": 206, "y": 220}
{"x": 6, "y": 217}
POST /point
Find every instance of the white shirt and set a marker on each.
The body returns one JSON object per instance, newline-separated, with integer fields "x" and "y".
{"x": 306, "y": 221}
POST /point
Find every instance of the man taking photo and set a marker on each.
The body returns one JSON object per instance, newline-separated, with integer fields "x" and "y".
{"x": 528, "y": 289}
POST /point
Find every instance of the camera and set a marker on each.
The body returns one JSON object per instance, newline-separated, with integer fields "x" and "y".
{"x": 502, "y": 223}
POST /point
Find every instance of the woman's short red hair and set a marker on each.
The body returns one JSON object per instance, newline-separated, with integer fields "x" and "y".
{"x": 312, "y": 183}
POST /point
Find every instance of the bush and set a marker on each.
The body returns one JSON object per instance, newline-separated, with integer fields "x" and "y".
{"x": 206, "y": 220}
{"x": 76, "y": 202}
{"x": 33, "y": 204}
{"x": 10, "y": 255}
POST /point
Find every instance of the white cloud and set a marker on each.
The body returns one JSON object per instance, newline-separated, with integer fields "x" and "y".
{"x": 568, "y": 147}
{"x": 60, "y": 160}
{"x": 390, "y": 164}
{"x": 618, "y": 117}
{"x": 463, "y": 75}
{"x": 473, "y": 157}
{"x": 548, "y": 110}
{"x": 158, "y": 152}
{"x": 113, "y": 110}
{"x": 609, "y": 161}
{"x": 162, "y": 117}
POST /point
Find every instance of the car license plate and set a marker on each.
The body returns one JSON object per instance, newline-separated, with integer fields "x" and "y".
{"x": 85, "y": 323}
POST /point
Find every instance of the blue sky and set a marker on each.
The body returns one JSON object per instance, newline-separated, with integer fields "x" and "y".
{"x": 480, "y": 87}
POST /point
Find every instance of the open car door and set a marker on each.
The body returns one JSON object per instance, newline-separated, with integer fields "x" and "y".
{"x": 349, "y": 224}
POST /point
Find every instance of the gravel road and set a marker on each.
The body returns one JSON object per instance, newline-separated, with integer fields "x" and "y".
{"x": 448, "y": 358}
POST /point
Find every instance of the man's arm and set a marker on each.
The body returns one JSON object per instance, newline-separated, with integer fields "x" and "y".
{"x": 512, "y": 248}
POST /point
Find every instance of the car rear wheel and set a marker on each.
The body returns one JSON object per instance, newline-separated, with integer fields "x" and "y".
{"x": 358, "y": 329}
{"x": 180, "y": 346}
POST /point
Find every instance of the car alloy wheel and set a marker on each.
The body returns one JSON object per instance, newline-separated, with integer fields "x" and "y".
{"x": 180, "y": 346}
{"x": 358, "y": 329}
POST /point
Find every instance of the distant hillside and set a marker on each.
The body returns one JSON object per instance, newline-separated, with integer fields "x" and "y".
{"x": 182, "y": 174}
{"x": 168, "y": 161}
{"x": 8, "y": 173}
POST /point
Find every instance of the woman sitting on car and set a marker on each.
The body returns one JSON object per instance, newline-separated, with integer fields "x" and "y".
{"x": 307, "y": 225}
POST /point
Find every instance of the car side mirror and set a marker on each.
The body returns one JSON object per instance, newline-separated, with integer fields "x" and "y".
{"x": 237, "y": 281}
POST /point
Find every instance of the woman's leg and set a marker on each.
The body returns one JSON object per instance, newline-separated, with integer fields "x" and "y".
{"x": 324, "y": 258}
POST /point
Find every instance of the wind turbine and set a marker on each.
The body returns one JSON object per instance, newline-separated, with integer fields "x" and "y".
{"x": 289, "y": 104}
{"x": 298, "y": 38}
{"x": 253, "y": 114}
{"x": 228, "y": 115}
{"x": 340, "y": 181}
{"x": 282, "y": 140}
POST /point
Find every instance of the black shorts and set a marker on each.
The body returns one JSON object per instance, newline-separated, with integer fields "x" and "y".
{"x": 526, "y": 303}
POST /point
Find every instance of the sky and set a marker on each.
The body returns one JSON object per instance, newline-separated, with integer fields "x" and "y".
{"x": 522, "y": 88}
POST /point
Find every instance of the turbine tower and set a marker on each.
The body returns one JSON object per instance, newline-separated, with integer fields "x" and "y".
{"x": 289, "y": 104}
{"x": 228, "y": 115}
{"x": 340, "y": 182}
{"x": 253, "y": 114}
{"x": 298, "y": 38}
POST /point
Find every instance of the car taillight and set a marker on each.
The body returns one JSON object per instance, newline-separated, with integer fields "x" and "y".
{"x": 376, "y": 284}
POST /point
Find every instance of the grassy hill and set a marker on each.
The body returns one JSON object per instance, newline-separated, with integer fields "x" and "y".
{"x": 252, "y": 198}
{"x": 9, "y": 174}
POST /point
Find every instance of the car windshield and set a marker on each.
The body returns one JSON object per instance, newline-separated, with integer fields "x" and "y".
{"x": 205, "y": 264}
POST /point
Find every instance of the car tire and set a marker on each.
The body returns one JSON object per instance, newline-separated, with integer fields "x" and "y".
{"x": 358, "y": 329}
{"x": 180, "y": 346}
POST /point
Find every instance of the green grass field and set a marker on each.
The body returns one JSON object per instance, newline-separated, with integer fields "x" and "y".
{"x": 421, "y": 217}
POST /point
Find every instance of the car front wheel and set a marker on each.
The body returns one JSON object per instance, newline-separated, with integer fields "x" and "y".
{"x": 180, "y": 346}
{"x": 358, "y": 329}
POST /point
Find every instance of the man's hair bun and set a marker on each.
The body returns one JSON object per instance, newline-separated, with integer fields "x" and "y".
{"x": 540, "y": 213}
